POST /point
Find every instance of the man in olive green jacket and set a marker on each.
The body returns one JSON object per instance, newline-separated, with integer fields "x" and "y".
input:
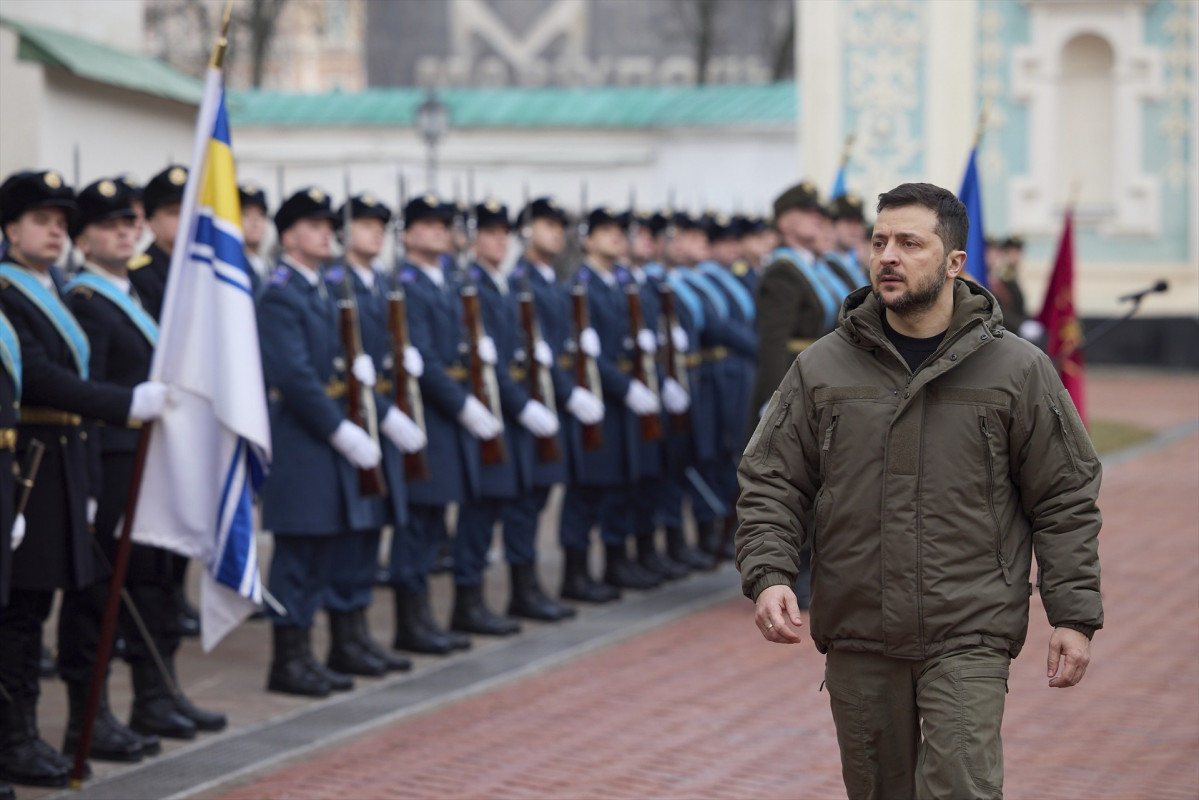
{"x": 924, "y": 453}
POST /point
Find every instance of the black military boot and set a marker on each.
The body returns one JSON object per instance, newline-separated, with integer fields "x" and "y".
{"x": 411, "y": 632}
{"x": 209, "y": 721}
{"x": 678, "y": 549}
{"x": 187, "y": 618}
{"x": 292, "y": 664}
{"x": 154, "y": 709}
{"x": 457, "y": 640}
{"x": 391, "y": 662}
{"x": 24, "y": 757}
{"x": 577, "y": 583}
{"x": 619, "y": 571}
{"x": 661, "y": 565}
{"x": 528, "y": 600}
{"x": 111, "y": 741}
{"x": 346, "y": 652}
{"x": 471, "y": 614}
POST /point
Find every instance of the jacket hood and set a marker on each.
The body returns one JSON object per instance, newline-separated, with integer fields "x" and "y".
{"x": 860, "y": 319}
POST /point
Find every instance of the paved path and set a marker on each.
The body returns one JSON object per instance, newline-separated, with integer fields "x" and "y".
{"x": 704, "y": 707}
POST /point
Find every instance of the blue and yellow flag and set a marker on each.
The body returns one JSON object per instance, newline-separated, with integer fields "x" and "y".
{"x": 208, "y": 453}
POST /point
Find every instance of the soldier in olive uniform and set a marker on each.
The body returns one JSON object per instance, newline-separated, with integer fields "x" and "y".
{"x": 56, "y": 394}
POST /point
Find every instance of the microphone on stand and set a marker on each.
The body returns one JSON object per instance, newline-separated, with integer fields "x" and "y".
{"x": 1136, "y": 297}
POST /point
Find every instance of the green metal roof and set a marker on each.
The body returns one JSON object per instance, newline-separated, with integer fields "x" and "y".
{"x": 519, "y": 107}
{"x": 97, "y": 62}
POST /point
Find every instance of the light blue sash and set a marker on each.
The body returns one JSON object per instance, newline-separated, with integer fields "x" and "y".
{"x": 711, "y": 290}
{"x": 10, "y": 352}
{"x": 50, "y": 304}
{"x": 830, "y": 290}
{"x": 731, "y": 285}
{"x": 106, "y": 288}
{"x": 850, "y": 262}
{"x": 682, "y": 290}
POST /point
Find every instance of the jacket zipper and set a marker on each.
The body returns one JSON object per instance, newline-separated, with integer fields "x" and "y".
{"x": 1003, "y": 565}
{"x": 828, "y": 440}
{"x": 1061, "y": 425}
{"x": 778, "y": 423}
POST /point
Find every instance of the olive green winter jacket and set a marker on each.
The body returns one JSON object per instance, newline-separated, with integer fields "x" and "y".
{"x": 923, "y": 494}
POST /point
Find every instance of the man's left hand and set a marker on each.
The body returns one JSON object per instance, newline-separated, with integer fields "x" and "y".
{"x": 1069, "y": 655}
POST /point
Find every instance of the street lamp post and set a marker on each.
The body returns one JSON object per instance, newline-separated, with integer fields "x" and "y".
{"x": 432, "y": 120}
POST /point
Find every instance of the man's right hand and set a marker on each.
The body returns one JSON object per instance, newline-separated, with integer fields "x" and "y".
{"x": 777, "y": 615}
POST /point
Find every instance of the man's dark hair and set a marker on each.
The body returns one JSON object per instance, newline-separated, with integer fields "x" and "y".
{"x": 953, "y": 223}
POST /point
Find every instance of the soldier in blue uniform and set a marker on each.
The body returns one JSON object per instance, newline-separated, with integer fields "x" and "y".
{"x": 455, "y": 421}
{"x": 162, "y": 198}
{"x": 598, "y": 493}
{"x": 253, "y": 228}
{"x": 12, "y": 525}
{"x": 524, "y": 418}
{"x": 543, "y": 229}
{"x": 311, "y": 496}
{"x": 849, "y": 236}
{"x": 355, "y": 557}
{"x": 56, "y": 395}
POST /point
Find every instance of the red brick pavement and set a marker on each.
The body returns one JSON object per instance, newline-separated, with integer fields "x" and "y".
{"x": 705, "y": 708}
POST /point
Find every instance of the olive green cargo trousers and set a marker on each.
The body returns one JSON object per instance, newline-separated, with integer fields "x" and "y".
{"x": 919, "y": 729}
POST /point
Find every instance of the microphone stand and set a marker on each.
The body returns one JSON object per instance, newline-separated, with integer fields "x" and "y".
{"x": 1104, "y": 329}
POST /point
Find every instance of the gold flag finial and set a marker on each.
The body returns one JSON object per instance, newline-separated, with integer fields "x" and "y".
{"x": 222, "y": 42}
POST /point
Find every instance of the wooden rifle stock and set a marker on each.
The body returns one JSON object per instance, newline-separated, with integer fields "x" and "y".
{"x": 482, "y": 376}
{"x": 540, "y": 387}
{"x": 644, "y": 369}
{"x": 407, "y": 389}
{"x": 586, "y": 372}
{"x": 360, "y": 405}
{"x": 674, "y": 365}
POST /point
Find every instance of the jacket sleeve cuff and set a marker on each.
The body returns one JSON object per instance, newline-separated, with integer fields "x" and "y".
{"x": 1086, "y": 630}
{"x": 768, "y": 580}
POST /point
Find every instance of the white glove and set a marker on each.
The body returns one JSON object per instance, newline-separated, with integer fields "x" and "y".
{"x": 18, "y": 531}
{"x": 478, "y": 420}
{"x": 542, "y": 354}
{"x": 1032, "y": 330}
{"x": 414, "y": 365}
{"x": 586, "y": 407}
{"x": 538, "y": 420}
{"x": 487, "y": 353}
{"x": 589, "y": 342}
{"x": 92, "y": 507}
{"x": 675, "y": 397}
{"x": 403, "y": 432}
{"x": 640, "y": 400}
{"x": 364, "y": 370}
{"x": 149, "y": 399}
{"x": 356, "y": 445}
{"x": 647, "y": 340}
{"x": 679, "y": 338}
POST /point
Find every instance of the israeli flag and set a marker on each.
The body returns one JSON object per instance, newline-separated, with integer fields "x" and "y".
{"x": 209, "y": 451}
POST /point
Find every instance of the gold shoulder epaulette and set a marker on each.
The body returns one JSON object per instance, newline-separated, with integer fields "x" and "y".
{"x": 740, "y": 268}
{"x": 137, "y": 262}
{"x": 85, "y": 292}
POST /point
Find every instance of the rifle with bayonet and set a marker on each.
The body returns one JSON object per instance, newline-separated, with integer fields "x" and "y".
{"x": 541, "y": 387}
{"x": 483, "y": 383}
{"x": 674, "y": 363}
{"x": 586, "y": 371}
{"x": 644, "y": 369}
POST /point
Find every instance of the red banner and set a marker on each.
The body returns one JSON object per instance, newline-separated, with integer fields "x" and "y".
{"x": 1062, "y": 327}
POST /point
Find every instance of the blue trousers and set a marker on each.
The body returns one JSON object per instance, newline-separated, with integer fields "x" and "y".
{"x": 587, "y": 506}
{"x": 352, "y": 577}
{"x": 299, "y": 576}
{"x": 520, "y": 525}
{"x": 414, "y": 548}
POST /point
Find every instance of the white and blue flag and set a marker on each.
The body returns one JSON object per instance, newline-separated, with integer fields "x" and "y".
{"x": 208, "y": 453}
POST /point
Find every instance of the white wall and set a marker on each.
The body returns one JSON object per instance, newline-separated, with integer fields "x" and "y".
{"x": 21, "y": 90}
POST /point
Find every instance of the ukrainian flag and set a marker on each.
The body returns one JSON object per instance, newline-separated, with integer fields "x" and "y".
{"x": 208, "y": 452}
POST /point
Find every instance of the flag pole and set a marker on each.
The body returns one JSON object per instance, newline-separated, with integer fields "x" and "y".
{"x": 125, "y": 544}
{"x": 847, "y": 149}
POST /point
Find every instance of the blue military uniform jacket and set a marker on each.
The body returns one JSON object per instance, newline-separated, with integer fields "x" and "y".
{"x": 436, "y": 328}
{"x": 54, "y": 387}
{"x": 376, "y": 341}
{"x": 738, "y": 368}
{"x": 148, "y": 274}
{"x": 614, "y": 464}
{"x": 311, "y": 489}
{"x": 551, "y": 305}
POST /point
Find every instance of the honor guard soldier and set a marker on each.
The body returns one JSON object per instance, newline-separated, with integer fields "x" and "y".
{"x": 641, "y": 507}
{"x": 162, "y": 198}
{"x": 456, "y": 421}
{"x": 122, "y": 337}
{"x": 312, "y": 495}
{"x": 253, "y": 228}
{"x": 35, "y": 209}
{"x": 12, "y": 525}
{"x": 849, "y": 234}
{"x": 356, "y": 554}
{"x": 598, "y": 493}
{"x": 754, "y": 237}
{"x": 543, "y": 229}
{"x": 525, "y": 419}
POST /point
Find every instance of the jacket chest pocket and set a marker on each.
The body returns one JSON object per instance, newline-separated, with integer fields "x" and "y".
{"x": 827, "y": 444}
